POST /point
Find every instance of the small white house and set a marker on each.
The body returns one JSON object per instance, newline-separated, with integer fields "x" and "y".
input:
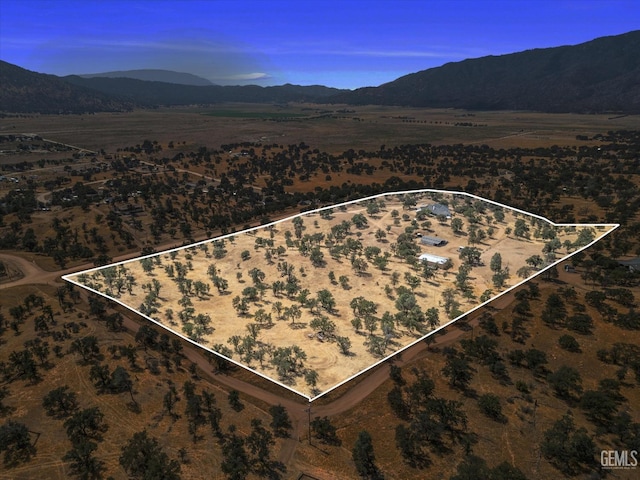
{"x": 434, "y": 259}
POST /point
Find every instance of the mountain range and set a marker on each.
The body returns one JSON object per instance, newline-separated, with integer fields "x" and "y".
{"x": 155, "y": 75}
{"x": 152, "y": 94}
{"x": 602, "y": 75}
{"x": 24, "y": 91}
{"x": 597, "y": 76}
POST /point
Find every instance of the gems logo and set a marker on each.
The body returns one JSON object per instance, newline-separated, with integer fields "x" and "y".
{"x": 619, "y": 459}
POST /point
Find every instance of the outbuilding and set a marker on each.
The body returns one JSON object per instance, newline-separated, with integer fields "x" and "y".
{"x": 437, "y": 209}
{"x": 633, "y": 265}
{"x": 432, "y": 241}
{"x": 434, "y": 260}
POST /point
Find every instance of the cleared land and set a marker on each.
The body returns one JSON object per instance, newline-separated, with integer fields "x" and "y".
{"x": 313, "y": 300}
{"x": 334, "y": 128}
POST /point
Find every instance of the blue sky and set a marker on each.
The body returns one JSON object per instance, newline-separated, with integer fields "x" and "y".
{"x": 346, "y": 44}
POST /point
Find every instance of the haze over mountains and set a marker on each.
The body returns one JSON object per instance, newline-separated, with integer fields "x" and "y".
{"x": 602, "y": 75}
{"x": 154, "y": 75}
{"x": 151, "y": 94}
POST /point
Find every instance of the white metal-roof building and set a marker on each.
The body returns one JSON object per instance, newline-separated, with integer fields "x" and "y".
{"x": 434, "y": 259}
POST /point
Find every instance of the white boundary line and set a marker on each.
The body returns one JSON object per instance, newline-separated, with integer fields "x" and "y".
{"x": 612, "y": 226}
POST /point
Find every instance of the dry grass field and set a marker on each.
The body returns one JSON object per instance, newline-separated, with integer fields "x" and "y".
{"x": 274, "y": 318}
{"x": 333, "y": 128}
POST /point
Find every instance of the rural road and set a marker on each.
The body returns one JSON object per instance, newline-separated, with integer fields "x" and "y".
{"x": 201, "y": 175}
{"x": 33, "y": 274}
{"x": 74, "y": 147}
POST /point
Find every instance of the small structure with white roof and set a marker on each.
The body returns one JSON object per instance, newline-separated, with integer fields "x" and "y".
{"x": 436, "y": 260}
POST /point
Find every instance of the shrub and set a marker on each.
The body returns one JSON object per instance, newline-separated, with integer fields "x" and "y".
{"x": 569, "y": 343}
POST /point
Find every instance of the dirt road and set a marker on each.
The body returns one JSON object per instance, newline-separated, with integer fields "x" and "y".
{"x": 33, "y": 274}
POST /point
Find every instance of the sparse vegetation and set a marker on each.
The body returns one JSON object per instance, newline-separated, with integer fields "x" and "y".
{"x": 312, "y": 305}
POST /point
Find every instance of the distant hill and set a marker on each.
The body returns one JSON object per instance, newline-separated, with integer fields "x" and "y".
{"x": 153, "y": 75}
{"x": 25, "y": 91}
{"x": 602, "y": 75}
{"x": 151, "y": 94}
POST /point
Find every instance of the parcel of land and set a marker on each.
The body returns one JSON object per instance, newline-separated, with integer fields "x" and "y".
{"x": 371, "y": 276}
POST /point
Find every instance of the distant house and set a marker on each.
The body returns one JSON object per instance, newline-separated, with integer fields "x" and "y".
{"x": 432, "y": 241}
{"x": 129, "y": 209}
{"x": 633, "y": 265}
{"x": 434, "y": 260}
{"x": 437, "y": 209}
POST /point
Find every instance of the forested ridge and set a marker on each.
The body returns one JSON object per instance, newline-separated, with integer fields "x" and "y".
{"x": 597, "y": 76}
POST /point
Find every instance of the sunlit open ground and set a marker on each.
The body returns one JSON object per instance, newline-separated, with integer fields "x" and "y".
{"x": 314, "y": 300}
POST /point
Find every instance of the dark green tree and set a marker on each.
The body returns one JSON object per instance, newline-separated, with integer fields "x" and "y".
{"x": 15, "y": 442}
{"x": 82, "y": 462}
{"x": 169, "y": 401}
{"x": 60, "y": 402}
{"x": 600, "y": 406}
{"x": 194, "y": 413}
{"x": 569, "y": 450}
{"x": 566, "y": 382}
{"x": 259, "y": 443}
{"x": 100, "y": 376}
{"x": 325, "y": 431}
{"x": 121, "y": 382}
{"x": 235, "y": 462}
{"x": 496, "y": 262}
{"x": 143, "y": 458}
{"x": 475, "y": 468}
{"x": 411, "y": 447}
{"x": 280, "y": 422}
{"x": 87, "y": 424}
{"x": 234, "y": 400}
{"x": 364, "y": 457}
{"x": 147, "y": 337}
{"x": 398, "y": 403}
{"x": 87, "y": 347}
{"x": 4, "y": 409}
{"x": 536, "y": 359}
{"x": 22, "y": 365}
{"x": 581, "y": 323}
{"x": 506, "y": 471}
{"x": 326, "y": 299}
{"x": 458, "y": 371}
{"x": 490, "y": 405}
{"x": 472, "y": 468}
{"x": 569, "y": 343}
